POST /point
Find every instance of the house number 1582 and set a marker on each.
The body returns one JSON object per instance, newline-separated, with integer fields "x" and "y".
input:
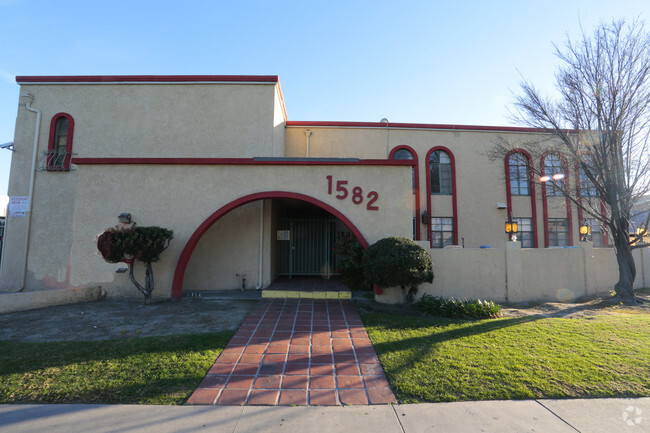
{"x": 355, "y": 193}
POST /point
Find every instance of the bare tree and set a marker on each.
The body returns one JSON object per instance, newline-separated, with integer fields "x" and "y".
{"x": 599, "y": 120}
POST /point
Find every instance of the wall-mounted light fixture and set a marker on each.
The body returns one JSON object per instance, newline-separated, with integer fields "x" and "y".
{"x": 124, "y": 218}
{"x": 425, "y": 217}
{"x": 512, "y": 227}
{"x": 585, "y": 231}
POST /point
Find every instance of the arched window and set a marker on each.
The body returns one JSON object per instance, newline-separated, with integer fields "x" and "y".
{"x": 440, "y": 166}
{"x": 554, "y": 170}
{"x": 405, "y": 154}
{"x": 60, "y": 142}
{"x": 402, "y": 154}
{"x": 519, "y": 177}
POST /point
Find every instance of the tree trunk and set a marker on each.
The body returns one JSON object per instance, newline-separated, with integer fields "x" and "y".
{"x": 148, "y": 283}
{"x": 626, "y": 267}
{"x": 145, "y": 291}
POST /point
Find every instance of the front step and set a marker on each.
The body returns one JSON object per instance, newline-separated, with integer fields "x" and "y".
{"x": 306, "y": 294}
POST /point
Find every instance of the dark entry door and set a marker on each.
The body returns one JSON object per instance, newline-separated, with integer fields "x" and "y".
{"x": 305, "y": 246}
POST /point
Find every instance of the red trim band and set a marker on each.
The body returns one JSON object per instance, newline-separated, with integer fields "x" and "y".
{"x": 186, "y": 254}
{"x": 234, "y": 161}
{"x": 146, "y": 78}
{"x": 415, "y": 126}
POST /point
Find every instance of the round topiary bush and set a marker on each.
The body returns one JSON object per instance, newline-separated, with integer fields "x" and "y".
{"x": 128, "y": 244}
{"x": 398, "y": 261}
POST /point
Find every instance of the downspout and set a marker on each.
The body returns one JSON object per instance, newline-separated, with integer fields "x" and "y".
{"x": 385, "y": 120}
{"x": 31, "y": 184}
{"x": 308, "y": 134}
{"x": 261, "y": 258}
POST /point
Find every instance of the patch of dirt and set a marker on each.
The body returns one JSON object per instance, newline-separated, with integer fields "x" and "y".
{"x": 581, "y": 308}
{"x": 105, "y": 320}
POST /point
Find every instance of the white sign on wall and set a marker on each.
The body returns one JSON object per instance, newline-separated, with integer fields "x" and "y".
{"x": 18, "y": 206}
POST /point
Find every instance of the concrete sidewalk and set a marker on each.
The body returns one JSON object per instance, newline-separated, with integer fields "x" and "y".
{"x": 556, "y": 416}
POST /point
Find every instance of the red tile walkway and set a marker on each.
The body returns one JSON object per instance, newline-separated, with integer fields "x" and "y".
{"x": 297, "y": 352}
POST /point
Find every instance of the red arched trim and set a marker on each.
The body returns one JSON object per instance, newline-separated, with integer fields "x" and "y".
{"x": 531, "y": 189}
{"x": 454, "y": 198}
{"x": 578, "y": 192}
{"x": 416, "y": 169}
{"x": 186, "y": 254}
{"x": 569, "y": 214}
{"x": 68, "y": 143}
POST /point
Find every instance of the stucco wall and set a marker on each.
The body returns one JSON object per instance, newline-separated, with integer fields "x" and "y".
{"x": 230, "y": 247}
{"x": 182, "y": 197}
{"x": 480, "y": 183}
{"x": 122, "y": 120}
{"x": 554, "y": 273}
{"x": 162, "y": 120}
{"x": 51, "y": 219}
{"x": 463, "y": 273}
{"x": 514, "y": 274}
{"x": 245, "y": 120}
{"x": 606, "y": 268}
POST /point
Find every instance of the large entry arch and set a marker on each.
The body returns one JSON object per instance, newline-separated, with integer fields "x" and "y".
{"x": 186, "y": 254}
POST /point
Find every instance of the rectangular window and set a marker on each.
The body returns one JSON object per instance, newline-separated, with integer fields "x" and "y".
{"x": 525, "y": 234}
{"x": 518, "y": 186}
{"x": 587, "y": 188}
{"x": 441, "y": 179}
{"x": 442, "y": 231}
{"x": 597, "y": 235}
{"x": 554, "y": 188}
{"x": 518, "y": 174}
{"x": 415, "y": 225}
{"x": 558, "y": 232}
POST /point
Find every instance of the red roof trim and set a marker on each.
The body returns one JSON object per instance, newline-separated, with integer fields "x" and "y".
{"x": 145, "y": 78}
{"x": 232, "y": 161}
{"x": 416, "y": 126}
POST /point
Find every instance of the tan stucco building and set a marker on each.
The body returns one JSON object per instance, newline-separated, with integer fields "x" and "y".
{"x": 252, "y": 196}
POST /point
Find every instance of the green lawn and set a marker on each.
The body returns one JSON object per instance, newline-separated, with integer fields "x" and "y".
{"x": 425, "y": 359}
{"x": 151, "y": 370}
{"x": 432, "y": 359}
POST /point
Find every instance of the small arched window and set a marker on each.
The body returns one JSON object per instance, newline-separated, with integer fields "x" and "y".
{"x": 519, "y": 177}
{"x": 405, "y": 154}
{"x": 59, "y": 150}
{"x": 440, "y": 166}
{"x": 402, "y": 154}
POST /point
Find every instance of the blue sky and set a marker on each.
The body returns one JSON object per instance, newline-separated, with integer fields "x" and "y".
{"x": 408, "y": 61}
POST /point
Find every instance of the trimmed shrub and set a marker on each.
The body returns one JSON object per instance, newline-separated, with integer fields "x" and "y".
{"x": 458, "y": 308}
{"x": 128, "y": 244}
{"x": 348, "y": 262}
{"x": 398, "y": 261}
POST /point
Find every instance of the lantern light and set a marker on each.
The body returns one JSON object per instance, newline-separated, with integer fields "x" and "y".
{"x": 585, "y": 231}
{"x": 512, "y": 227}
